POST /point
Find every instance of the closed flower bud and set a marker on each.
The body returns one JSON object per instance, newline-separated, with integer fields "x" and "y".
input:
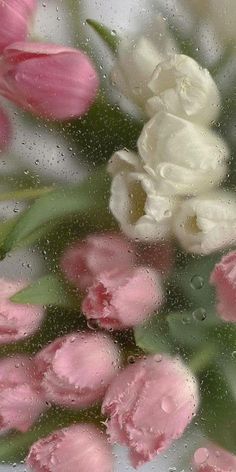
{"x": 138, "y": 58}
{"x": 142, "y": 212}
{"x": 213, "y": 458}
{"x": 76, "y": 369}
{"x": 183, "y": 157}
{"x": 78, "y": 448}
{"x": 122, "y": 300}
{"x": 21, "y": 400}
{"x": 223, "y": 278}
{"x": 83, "y": 261}
{"x": 16, "y": 321}
{"x": 150, "y": 403}
{"x": 181, "y": 87}
{"x": 206, "y": 224}
{"x": 49, "y": 80}
{"x": 5, "y": 130}
{"x": 16, "y": 16}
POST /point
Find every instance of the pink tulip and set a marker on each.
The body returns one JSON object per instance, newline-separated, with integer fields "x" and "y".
{"x": 21, "y": 400}
{"x": 16, "y": 321}
{"x": 150, "y": 403}
{"x": 49, "y": 80}
{"x": 78, "y": 448}
{"x": 76, "y": 369}
{"x": 16, "y": 16}
{"x": 83, "y": 261}
{"x": 213, "y": 459}
{"x": 119, "y": 300}
{"x": 223, "y": 278}
{"x": 5, "y": 130}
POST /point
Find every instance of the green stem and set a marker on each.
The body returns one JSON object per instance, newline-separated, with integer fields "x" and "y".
{"x": 25, "y": 194}
{"x": 203, "y": 358}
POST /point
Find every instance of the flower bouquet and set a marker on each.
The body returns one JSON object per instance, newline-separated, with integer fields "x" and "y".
{"x": 128, "y": 335}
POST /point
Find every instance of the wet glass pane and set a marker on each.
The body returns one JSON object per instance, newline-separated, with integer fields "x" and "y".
{"x": 117, "y": 236}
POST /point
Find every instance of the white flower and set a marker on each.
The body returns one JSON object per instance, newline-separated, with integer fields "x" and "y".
{"x": 135, "y": 201}
{"x": 138, "y": 58}
{"x": 206, "y": 224}
{"x": 181, "y": 87}
{"x": 184, "y": 158}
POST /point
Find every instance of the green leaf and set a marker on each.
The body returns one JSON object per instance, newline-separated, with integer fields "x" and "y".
{"x": 108, "y": 36}
{"x": 48, "y": 290}
{"x": 217, "y": 415}
{"x": 153, "y": 336}
{"x": 25, "y": 194}
{"x": 191, "y": 329}
{"x": 194, "y": 281}
{"x": 91, "y": 195}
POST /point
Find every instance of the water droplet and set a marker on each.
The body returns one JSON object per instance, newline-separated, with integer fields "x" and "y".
{"x": 199, "y": 314}
{"x": 167, "y": 404}
{"x": 201, "y": 455}
{"x": 158, "y": 358}
{"x": 233, "y": 355}
{"x": 92, "y": 324}
{"x": 113, "y": 33}
{"x": 131, "y": 359}
{"x": 197, "y": 282}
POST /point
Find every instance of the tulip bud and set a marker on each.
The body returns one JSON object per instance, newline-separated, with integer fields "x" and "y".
{"x": 51, "y": 81}
{"x": 138, "y": 58}
{"x": 150, "y": 403}
{"x": 83, "y": 261}
{"x": 183, "y": 88}
{"x": 21, "y": 400}
{"x": 213, "y": 459}
{"x": 122, "y": 300}
{"x": 78, "y": 448}
{"x": 5, "y": 130}
{"x": 223, "y": 278}
{"x": 206, "y": 224}
{"x": 16, "y": 16}
{"x": 16, "y": 321}
{"x": 142, "y": 212}
{"x": 184, "y": 158}
{"x": 77, "y": 369}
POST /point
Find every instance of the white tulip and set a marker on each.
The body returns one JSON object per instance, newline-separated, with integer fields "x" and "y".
{"x": 135, "y": 202}
{"x": 206, "y": 224}
{"x": 181, "y": 87}
{"x": 138, "y": 58}
{"x": 185, "y": 158}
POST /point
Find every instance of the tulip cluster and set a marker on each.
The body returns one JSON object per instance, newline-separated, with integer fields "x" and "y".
{"x": 120, "y": 293}
{"x": 50, "y": 81}
{"x": 170, "y": 187}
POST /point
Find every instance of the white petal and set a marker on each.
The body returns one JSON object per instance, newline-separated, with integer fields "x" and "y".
{"x": 185, "y": 89}
{"x": 124, "y": 161}
{"x": 186, "y": 157}
{"x": 206, "y": 224}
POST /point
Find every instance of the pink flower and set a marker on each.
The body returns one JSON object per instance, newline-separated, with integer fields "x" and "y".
{"x": 150, "y": 403}
{"x": 76, "y": 369}
{"x": 49, "y": 80}
{"x": 78, "y": 448}
{"x": 21, "y": 401}
{"x": 119, "y": 300}
{"x": 223, "y": 278}
{"x": 213, "y": 459}
{"x": 16, "y": 16}
{"x": 16, "y": 321}
{"x": 5, "y": 130}
{"x": 83, "y": 261}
